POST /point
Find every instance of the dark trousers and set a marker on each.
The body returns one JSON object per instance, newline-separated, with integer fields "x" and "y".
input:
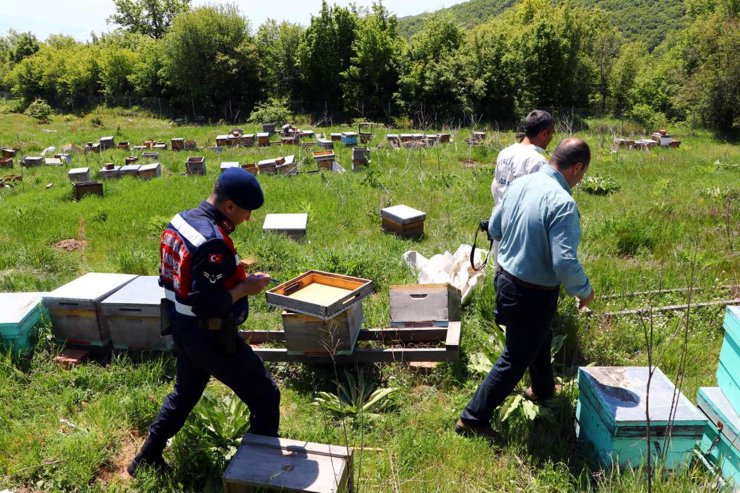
{"x": 527, "y": 314}
{"x": 199, "y": 356}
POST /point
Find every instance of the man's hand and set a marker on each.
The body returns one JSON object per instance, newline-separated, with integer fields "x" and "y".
{"x": 583, "y": 302}
{"x": 252, "y": 285}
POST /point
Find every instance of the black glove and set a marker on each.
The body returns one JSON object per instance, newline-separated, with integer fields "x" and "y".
{"x": 484, "y": 227}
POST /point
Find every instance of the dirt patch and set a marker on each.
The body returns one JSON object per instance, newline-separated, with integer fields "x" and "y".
{"x": 115, "y": 470}
{"x": 70, "y": 245}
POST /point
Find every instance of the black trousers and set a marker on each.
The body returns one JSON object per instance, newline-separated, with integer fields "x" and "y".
{"x": 199, "y": 356}
{"x": 527, "y": 314}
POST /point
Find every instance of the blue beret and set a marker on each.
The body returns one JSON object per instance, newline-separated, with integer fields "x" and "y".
{"x": 241, "y": 187}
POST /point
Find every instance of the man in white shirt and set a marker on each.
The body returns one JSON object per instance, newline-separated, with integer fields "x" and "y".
{"x": 526, "y": 157}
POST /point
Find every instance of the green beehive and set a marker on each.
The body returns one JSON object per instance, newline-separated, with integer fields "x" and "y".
{"x": 20, "y": 315}
{"x": 611, "y": 422}
{"x": 728, "y": 370}
{"x": 721, "y": 442}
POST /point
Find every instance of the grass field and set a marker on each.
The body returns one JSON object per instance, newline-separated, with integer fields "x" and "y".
{"x": 672, "y": 223}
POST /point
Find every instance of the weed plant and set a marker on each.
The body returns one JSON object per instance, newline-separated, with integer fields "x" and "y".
{"x": 75, "y": 429}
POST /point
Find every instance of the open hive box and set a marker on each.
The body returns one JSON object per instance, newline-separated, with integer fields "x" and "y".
{"x": 323, "y": 311}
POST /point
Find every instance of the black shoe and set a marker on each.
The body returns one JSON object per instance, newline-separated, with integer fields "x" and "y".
{"x": 150, "y": 455}
{"x": 467, "y": 430}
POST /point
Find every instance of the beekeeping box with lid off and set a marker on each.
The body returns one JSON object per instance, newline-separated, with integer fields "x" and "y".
{"x": 75, "y": 308}
{"x": 84, "y": 188}
{"x": 196, "y": 165}
{"x": 611, "y": 423}
{"x": 278, "y": 464}
{"x": 132, "y": 316}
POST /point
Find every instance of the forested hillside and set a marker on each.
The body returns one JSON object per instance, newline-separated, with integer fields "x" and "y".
{"x": 638, "y": 20}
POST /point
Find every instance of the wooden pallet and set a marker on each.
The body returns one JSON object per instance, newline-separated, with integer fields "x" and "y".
{"x": 392, "y": 340}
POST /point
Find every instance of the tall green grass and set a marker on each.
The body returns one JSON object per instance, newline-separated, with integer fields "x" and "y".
{"x": 61, "y": 430}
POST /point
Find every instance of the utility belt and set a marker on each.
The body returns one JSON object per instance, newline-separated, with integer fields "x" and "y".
{"x": 524, "y": 284}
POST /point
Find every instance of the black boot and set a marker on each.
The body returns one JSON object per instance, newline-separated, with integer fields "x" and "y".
{"x": 149, "y": 455}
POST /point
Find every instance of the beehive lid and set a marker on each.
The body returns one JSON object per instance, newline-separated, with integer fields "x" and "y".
{"x": 349, "y": 134}
{"x": 285, "y": 222}
{"x": 222, "y": 137}
{"x": 109, "y": 138}
{"x": 619, "y": 394}
{"x": 402, "y": 214}
{"x": 289, "y": 465}
{"x": 16, "y": 307}
{"x": 79, "y": 171}
{"x": 93, "y": 286}
{"x": 148, "y": 167}
{"x": 229, "y": 164}
{"x": 715, "y": 405}
{"x": 113, "y": 170}
{"x": 266, "y": 161}
{"x": 130, "y": 168}
{"x": 263, "y": 134}
{"x": 144, "y": 290}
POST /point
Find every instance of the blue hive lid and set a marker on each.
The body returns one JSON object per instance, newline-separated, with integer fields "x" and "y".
{"x": 619, "y": 395}
{"x": 732, "y": 323}
{"x": 713, "y": 402}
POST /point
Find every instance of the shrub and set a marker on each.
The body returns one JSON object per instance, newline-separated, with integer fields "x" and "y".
{"x": 633, "y": 235}
{"x": 648, "y": 116}
{"x": 274, "y": 110}
{"x": 597, "y": 185}
{"x": 39, "y": 110}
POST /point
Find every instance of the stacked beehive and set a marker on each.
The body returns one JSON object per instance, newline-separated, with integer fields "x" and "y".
{"x": 721, "y": 405}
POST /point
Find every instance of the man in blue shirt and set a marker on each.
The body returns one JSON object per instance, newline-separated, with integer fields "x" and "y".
{"x": 538, "y": 225}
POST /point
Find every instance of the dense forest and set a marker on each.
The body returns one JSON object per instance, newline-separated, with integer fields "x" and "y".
{"x": 349, "y": 63}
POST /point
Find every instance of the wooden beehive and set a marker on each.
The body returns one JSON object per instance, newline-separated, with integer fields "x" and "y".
{"x": 130, "y": 170}
{"x": 728, "y": 370}
{"x": 195, "y": 165}
{"x": 292, "y": 225}
{"x": 336, "y": 137}
{"x": 444, "y": 138}
{"x": 251, "y": 167}
{"x": 53, "y": 161}
{"x": 123, "y": 146}
{"x": 268, "y": 128}
{"x": 133, "y": 317}
{"x": 422, "y": 305}
{"x": 75, "y": 308}
{"x": 20, "y": 316}
{"x": 29, "y": 161}
{"x": 130, "y": 159}
{"x": 246, "y": 140}
{"x": 8, "y": 152}
{"x": 110, "y": 172}
{"x": 267, "y": 166}
{"x": 611, "y": 424}
{"x": 403, "y": 221}
{"x": 222, "y": 140}
{"x": 160, "y": 146}
{"x": 106, "y": 143}
{"x": 190, "y": 145}
{"x": 229, "y": 164}
{"x": 479, "y": 136}
{"x": 92, "y": 147}
{"x": 77, "y": 175}
{"x": 305, "y": 334}
{"x": 349, "y": 138}
{"x": 325, "y": 143}
{"x": 147, "y": 171}
{"x": 6, "y": 162}
{"x": 721, "y": 440}
{"x": 319, "y": 294}
{"x": 268, "y": 464}
{"x": 263, "y": 139}
{"x": 153, "y": 155}
{"x": 177, "y": 144}
{"x": 84, "y": 188}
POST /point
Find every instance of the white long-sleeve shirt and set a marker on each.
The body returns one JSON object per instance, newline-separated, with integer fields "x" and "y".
{"x": 515, "y": 161}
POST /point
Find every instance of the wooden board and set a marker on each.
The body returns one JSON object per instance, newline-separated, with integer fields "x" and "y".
{"x": 428, "y": 304}
{"x": 279, "y": 464}
{"x": 447, "y": 340}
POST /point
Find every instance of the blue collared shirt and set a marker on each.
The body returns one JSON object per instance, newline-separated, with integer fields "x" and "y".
{"x": 538, "y": 224}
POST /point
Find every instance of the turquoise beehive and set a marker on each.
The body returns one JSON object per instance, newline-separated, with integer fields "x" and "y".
{"x": 611, "y": 422}
{"x": 728, "y": 370}
{"x": 20, "y": 315}
{"x": 721, "y": 442}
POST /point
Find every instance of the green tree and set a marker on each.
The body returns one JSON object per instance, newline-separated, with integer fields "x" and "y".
{"x": 604, "y": 52}
{"x": 277, "y": 45}
{"x": 623, "y": 75}
{"x": 150, "y": 17}
{"x": 372, "y": 78}
{"x": 211, "y": 63}
{"x": 21, "y": 45}
{"x": 324, "y": 53}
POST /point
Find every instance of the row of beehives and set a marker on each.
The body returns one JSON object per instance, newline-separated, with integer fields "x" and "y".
{"x": 660, "y": 137}
{"x": 611, "y": 414}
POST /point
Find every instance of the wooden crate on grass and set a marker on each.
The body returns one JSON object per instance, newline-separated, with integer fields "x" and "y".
{"x": 292, "y": 225}
{"x": 85, "y": 188}
{"x": 404, "y": 221}
{"x": 123, "y": 146}
{"x": 319, "y": 294}
{"x": 29, "y": 161}
{"x": 75, "y": 308}
{"x": 251, "y": 167}
{"x": 195, "y": 165}
{"x": 422, "y": 305}
{"x": 133, "y": 316}
{"x": 6, "y": 162}
{"x": 611, "y": 424}
{"x": 109, "y": 171}
{"x": 177, "y": 144}
{"x": 152, "y": 170}
{"x": 130, "y": 170}
{"x": 270, "y": 464}
{"x": 77, "y": 175}
{"x": 263, "y": 139}
{"x": 222, "y": 140}
{"x": 106, "y": 143}
{"x": 8, "y": 152}
{"x": 305, "y": 334}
